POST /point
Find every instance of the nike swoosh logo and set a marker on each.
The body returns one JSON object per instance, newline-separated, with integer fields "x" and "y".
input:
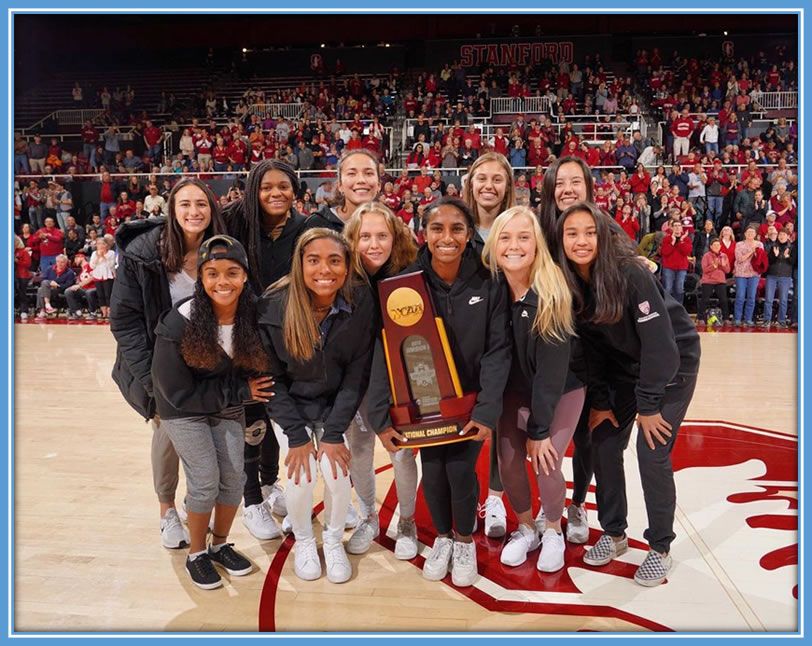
{"x": 475, "y": 299}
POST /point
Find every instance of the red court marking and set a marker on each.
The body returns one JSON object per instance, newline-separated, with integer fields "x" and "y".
{"x": 703, "y": 444}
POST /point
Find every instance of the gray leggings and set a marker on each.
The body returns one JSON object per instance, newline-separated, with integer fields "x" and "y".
{"x": 513, "y": 452}
{"x": 211, "y": 450}
{"x": 361, "y": 441}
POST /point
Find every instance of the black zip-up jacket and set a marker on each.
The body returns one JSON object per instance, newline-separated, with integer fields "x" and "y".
{"x": 325, "y": 217}
{"x": 329, "y": 387}
{"x": 543, "y": 365}
{"x": 274, "y": 256}
{"x": 140, "y": 296}
{"x": 182, "y": 391}
{"x": 779, "y": 265}
{"x": 475, "y": 311}
{"x": 654, "y": 342}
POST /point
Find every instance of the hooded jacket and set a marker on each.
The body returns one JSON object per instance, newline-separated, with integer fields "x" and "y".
{"x": 274, "y": 256}
{"x": 325, "y": 217}
{"x": 653, "y": 342}
{"x": 140, "y": 296}
{"x": 475, "y": 311}
{"x": 328, "y": 387}
{"x": 182, "y": 391}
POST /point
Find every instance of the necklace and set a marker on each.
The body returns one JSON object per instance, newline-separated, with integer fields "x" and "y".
{"x": 323, "y": 308}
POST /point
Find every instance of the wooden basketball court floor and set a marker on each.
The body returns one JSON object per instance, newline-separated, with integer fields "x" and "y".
{"x": 87, "y": 555}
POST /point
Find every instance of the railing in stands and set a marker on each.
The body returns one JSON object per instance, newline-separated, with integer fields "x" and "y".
{"x": 75, "y": 117}
{"x": 287, "y": 110}
{"x": 512, "y": 105}
{"x": 775, "y": 100}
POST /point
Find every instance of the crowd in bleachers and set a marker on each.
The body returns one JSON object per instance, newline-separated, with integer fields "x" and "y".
{"x": 709, "y": 175}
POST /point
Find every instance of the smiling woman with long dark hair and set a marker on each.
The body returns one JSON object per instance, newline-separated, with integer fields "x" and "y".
{"x": 641, "y": 354}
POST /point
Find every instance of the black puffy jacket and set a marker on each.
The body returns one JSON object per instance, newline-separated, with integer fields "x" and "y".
{"x": 140, "y": 296}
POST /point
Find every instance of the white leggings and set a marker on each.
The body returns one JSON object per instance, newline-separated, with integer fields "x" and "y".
{"x": 337, "y": 493}
{"x": 361, "y": 441}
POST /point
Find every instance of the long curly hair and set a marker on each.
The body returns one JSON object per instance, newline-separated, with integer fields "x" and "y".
{"x": 200, "y": 345}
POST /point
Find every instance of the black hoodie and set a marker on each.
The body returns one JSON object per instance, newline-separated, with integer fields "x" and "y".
{"x": 329, "y": 387}
{"x": 140, "y": 296}
{"x": 181, "y": 391}
{"x": 274, "y": 256}
{"x": 325, "y": 217}
{"x": 475, "y": 311}
{"x": 654, "y": 342}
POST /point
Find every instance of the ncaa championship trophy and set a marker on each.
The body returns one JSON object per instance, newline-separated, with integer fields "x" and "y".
{"x": 429, "y": 407}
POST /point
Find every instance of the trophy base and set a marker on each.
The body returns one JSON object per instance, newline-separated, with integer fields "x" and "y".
{"x": 433, "y": 433}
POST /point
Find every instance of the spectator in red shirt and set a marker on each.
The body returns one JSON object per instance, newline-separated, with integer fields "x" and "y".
{"x": 237, "y": 151}
{"x": 90, "y": 138}
{"x": 22, "y": 276}
{"x": 125, "y": 207}
{"x": 675, "y": 251}
{"x": 628, "y": 221}
{"x": 715, "y": 268}
{"x": 640, "y": 181}
{"x": 153, "y": 140}
{"x": 51, "y": 244}
{"x": 219, "y": 154}
{"x": 682, "y": 128}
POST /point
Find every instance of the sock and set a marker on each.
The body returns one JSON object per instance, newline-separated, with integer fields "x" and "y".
{"x": 216, "y": 548}
{"x": 194, "y": 555}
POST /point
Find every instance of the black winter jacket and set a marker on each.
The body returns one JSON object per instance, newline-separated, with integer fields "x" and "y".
{"x": 181, "y": 391}
{"x": 475, "y": 311}
{"x": 140, "y": 296}
{"x": 654, "y": 342}
{"x": 325, "y": 217}
{"x": 780, "y": 265}
{"x": 327, "y": 388}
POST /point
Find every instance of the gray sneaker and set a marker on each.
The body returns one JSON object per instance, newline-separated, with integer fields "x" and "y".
{"x": 577, "y": 525}
{"x": 605, "y": 550}
{"x": 362, "y": 537}
{"x": 654, "y": 569}
{"x": 173, "y": 533}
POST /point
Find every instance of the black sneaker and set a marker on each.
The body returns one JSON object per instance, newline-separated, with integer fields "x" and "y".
{"x": 234, "y": 562}
{"x": 204, "y": 574}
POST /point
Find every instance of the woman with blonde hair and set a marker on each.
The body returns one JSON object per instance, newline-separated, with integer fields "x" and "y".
{"x": 316, "y": 326}
{"x": 381, "y": 246}
{"x": 542, "y": 402}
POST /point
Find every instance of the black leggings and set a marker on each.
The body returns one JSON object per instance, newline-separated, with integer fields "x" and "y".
{"x": 262, "y": 460}
{"x": 582, "y": 457}
{"x": 450, "y": 485}
{"x": 104, "y": 288}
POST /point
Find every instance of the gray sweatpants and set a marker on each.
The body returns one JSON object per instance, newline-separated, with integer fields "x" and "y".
{"x": 211, "y": 451}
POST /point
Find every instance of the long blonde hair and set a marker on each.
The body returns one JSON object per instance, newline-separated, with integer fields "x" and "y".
{"x": 404, "y": 249}
{"x": 300, "y": 329}
{"x": 554, "y": 319}
{"x": 468, "y": 190}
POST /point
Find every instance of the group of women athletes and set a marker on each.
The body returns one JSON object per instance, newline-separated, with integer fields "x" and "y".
{"x": 552, "y": 319}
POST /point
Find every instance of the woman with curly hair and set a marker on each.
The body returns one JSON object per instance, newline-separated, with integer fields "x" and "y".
{"x": 208, "y": 363}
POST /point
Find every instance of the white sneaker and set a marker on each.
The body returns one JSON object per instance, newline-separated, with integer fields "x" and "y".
{"x": 438, "y": 561}
{"x": 260, "y": 523}
{"x": 406, "y": 541}
{"x": 352, "y": 519}
{"x": 181, "y": 509}
{"x": 463, "y": 569}
{"x": 274, "y": 498}
{"x": 362, "y": 537}
{"x": 540, "y": 521}
{"x": 522, "y": 541}
{"x": 173, "y": 533}
{"x": 23, "y": 316}
{"x": 287, "y": 526}
{"x": 338, "y": 565}
{"x": 306, "y": 562}
{"x": 551, "y": 558}
{"x": 495, "y": 515}
{"x": 577, "y": 525}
